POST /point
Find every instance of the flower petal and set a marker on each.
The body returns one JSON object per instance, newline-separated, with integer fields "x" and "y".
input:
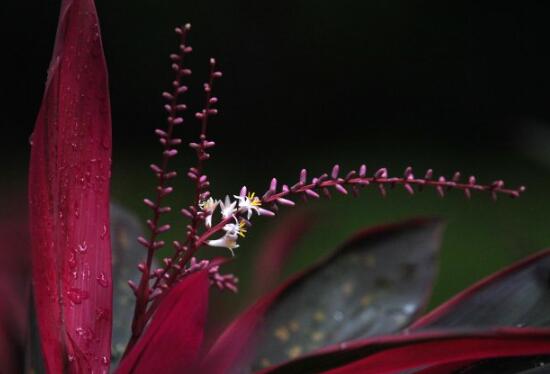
{"x": 69, "y": 199}
{"x": 174, "y": 337}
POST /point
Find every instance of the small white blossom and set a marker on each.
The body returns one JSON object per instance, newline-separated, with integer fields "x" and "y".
{"x": 227, "y": 207}
{"x": 235, "y": 229}
{"x": 226, "y": 241}
{"x": 229, "y": 240}
{"x": 249, "y": 203}
{"x": 208, "y": 207}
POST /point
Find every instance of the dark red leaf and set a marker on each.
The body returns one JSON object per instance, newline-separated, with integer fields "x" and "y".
{"x": 393, "y": 354}
{"x": 277, "y": 248}
{"x": 516, "y": 296}
{"x": 502, "y": 365}
{"x": 443, "y": 351}
{"x": 172, "y": 341}
{"x": 69, "y": 199}
{"x": 14, "y": 280}
{"x": 376, "y": 283}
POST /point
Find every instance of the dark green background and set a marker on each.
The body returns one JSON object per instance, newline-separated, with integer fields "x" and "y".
{"x": 448, "y": 85}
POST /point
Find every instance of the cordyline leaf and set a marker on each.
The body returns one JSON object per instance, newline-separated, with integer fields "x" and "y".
{"x": 443, "y": 351}
{"x": 374, "y": 284}
{"x": 14, "y": 281}
{"x": 392, "y": 354}
{"x": 69, "y": 199}
{"x": 516, "y": 296}
{"x": 172, "y": 341}
{"x": 503, "y": 365}
{"x": 277, "y": 248}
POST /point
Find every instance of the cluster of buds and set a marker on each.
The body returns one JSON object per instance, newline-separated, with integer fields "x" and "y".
{"x": 355, "y": 180}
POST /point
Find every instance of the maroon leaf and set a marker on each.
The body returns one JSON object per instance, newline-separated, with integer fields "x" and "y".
{"x": 516, "y": 296}
{"x": 503, "y": 365}
{"x": 172, "y": 341}
{"x": 14, "y": 280}
{"x": 69, "y": 199}
{"x": 372, "y": 285}
{"x": 393, "y": 354}
{"x": 277, "y": 248}
{"x": 444, "y": 351}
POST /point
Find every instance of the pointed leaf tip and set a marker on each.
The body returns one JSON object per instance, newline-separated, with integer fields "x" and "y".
{"x": 69, "y": 199}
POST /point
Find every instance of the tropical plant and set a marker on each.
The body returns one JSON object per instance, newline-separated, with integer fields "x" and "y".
{"x": 351, "y": 312}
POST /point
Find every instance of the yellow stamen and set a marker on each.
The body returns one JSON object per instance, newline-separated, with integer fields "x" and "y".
{"x": 242, "y": 228}
{"x": 254, "y": 201}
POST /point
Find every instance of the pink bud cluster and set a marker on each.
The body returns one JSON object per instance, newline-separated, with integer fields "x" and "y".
{"x": 355, "y": 180}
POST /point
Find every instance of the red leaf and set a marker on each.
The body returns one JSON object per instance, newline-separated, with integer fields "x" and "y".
{"x": 14, "y": 281}
{"x": 392, "y": 354}
{"x": 172, "y": 341}
{"x": 69, "y": 199}
{"x": 454, "y": 350}
{"x": 277, "y": 248}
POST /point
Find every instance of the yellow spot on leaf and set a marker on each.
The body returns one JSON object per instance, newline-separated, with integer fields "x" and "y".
{"x": 370, "y": 261}
{"x": 294, "y": 351}
{"x": 264, "y": 362}
{"x": 347, "y": 288}
{"x": 282, "y": 334}
{"x": 317, "y": 336}
{"x": 319, "y": 316}
{"x": 366, "y": 300}
{"x": 294, "y": 326}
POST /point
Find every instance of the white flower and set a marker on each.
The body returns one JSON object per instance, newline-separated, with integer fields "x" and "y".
{"x": 249, "y": 204}
{"x": 208, "y": 207}
{"x": 226, "y": 241}
{"x": 235, "y": 229}
{"x": 227, "y": 207}
{"x": 229, "y": 240}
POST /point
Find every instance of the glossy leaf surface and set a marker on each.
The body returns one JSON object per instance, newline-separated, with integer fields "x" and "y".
{"x": 69, "y": 199}
{"x": 374, "y": 284}
{"x": 517, "y": 296}
{"x": 407, "y": 352}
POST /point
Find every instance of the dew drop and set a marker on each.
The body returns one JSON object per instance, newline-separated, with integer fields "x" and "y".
{"x": 103, "y": 232}
{"x": 31, "y": 139}
{"x": 71, "y": 260}
{"x": 102, "y": 280}
{"x": 105, "y": 360}
{"x": 85, "y": 333}
{"x": 71, "y": 358}
{"x": 77, "y": 295}
{"x": 102, "y": 314}
{"x": 82, "y": 247}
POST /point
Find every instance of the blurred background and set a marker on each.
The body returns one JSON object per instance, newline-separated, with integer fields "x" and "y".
{"x": 443, "y": 85}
